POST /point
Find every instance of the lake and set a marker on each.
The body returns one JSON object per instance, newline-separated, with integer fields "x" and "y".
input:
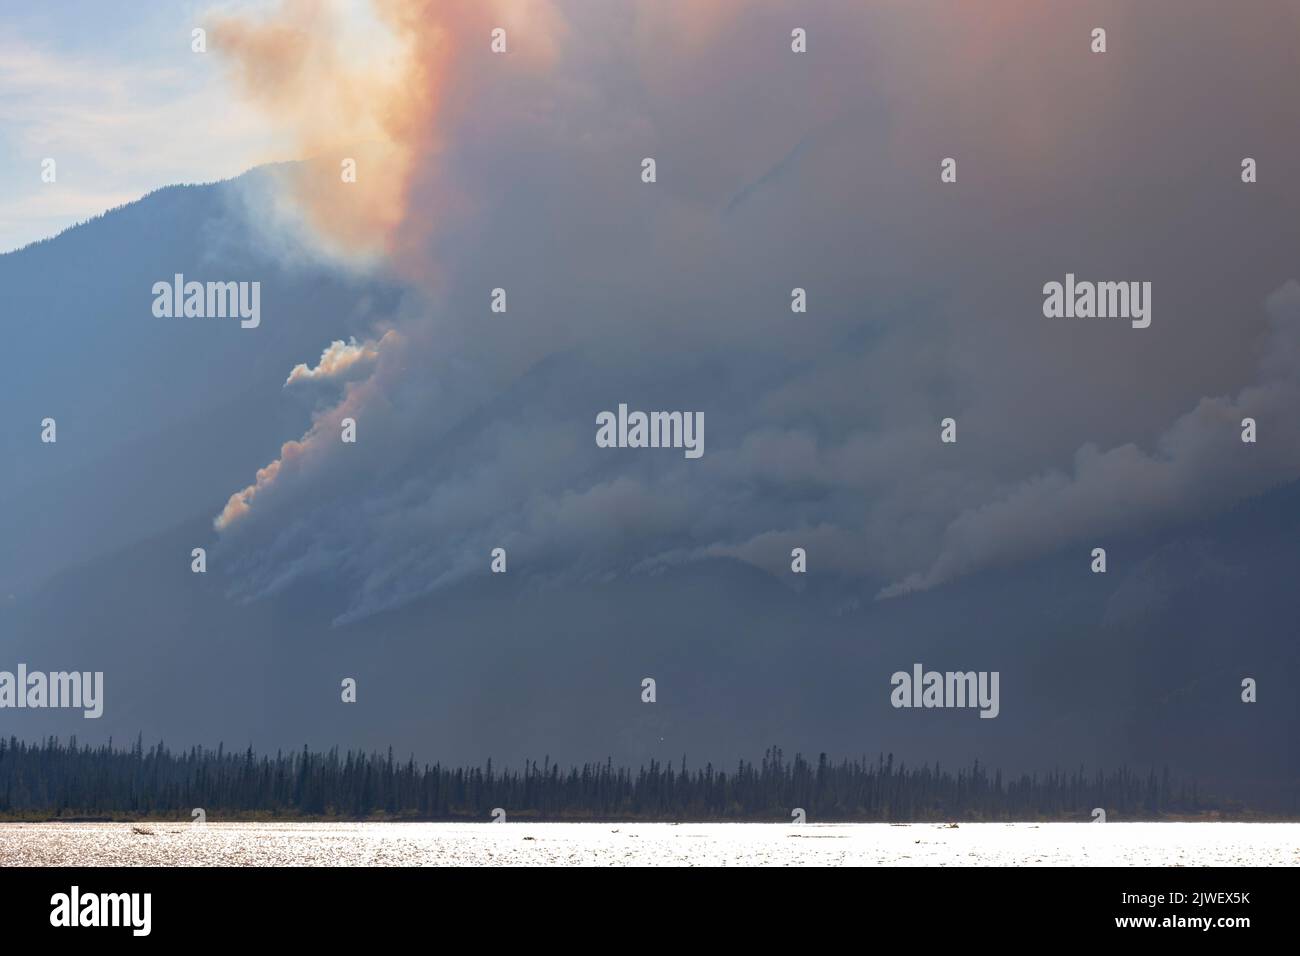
{"x": 642, "y": 844}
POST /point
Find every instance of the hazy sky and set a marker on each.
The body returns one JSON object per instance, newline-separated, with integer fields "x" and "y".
{"x": 112, "y": 93}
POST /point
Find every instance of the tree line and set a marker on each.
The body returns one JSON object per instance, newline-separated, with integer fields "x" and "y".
{"x": 52, "y": 779}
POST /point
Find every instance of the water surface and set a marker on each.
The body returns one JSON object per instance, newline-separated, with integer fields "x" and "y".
{"x": 591, "y": 844}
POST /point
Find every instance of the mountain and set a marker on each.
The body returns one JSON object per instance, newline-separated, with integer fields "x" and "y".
{"x": 157, "y": 418}
{"x": 160, "y": 419}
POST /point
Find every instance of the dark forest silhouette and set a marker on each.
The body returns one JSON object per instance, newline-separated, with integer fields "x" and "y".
{"x": 57, "y": 780}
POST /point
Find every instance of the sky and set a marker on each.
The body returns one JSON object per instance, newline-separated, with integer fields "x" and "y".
{"x": 115, "y": 96}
